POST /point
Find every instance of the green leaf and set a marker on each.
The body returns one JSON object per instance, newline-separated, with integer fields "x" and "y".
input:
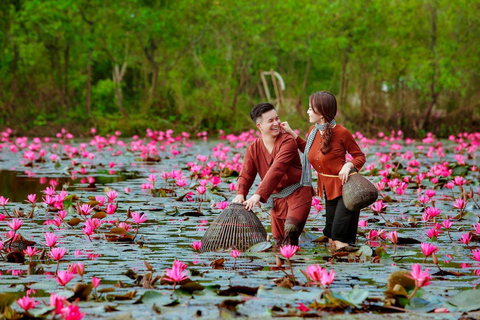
{"x": 466, "y": 300}
{"x": 157, "y": 298}
{"x": 357, "y": 296}
{"x": 459, "y": 171}
{"x": 8, "y": 298}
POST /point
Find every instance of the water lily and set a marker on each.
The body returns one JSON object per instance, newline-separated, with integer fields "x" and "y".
{"x": 177, "y": 273}
{"x": 422, "y": 278}
{"x": 27, "y": 303}
{"x": 196, "y": 245}
{"x": 289, "y": 251}
{"x": 64, "y": 277}
{"x": 427, "y": 249}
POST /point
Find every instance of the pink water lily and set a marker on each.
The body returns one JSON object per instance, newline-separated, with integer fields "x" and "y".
{"x": 139, "y": 217}
{"x": 428, "y": 249}
{"x": 378, "y": 206}
{"x": 112, "y": 195}
{"x": 288, "y": 251}
{"x": 422, "y": 278}
{"x": 72, "y": 312}
{"x": 432, "y": 233}
{"x": 85, "y": 209}
{"x": 235, "y": 253}
{"x": 201, "y": 190}
{"x": 64, "y": 277}
{"x": 447, "y": 224}
{"x": 32, "y": 198}
{"x": 476, "y": 254}
{"x": 196, "y": 245}
{"x": 96, "y": 282}
{"x": 327, "y": 278}
{"x": 466, "y": 238}
{"x": 58, "y": 302}
{"x": 3, "y": 201}
{"x": 31, "y": 251}
{"x": 177, "y": 273}
{"x": 432, "y": 212}
{"x": 57, "y": 253}
{"x": 15, "y": 224}
{"x": 27, "y": 303}
{"x": 315, "y": 272}
{"x": 459, "y": 204}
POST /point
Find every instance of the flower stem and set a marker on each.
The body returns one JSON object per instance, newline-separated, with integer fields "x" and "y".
{"x": 8, "y": 214}
{"x": 413, "y": 293}
{"x": 291, "y": 269}
{"x": 136, "y": 231}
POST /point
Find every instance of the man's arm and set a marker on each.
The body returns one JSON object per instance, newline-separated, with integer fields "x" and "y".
{"x": 247, "y": 176}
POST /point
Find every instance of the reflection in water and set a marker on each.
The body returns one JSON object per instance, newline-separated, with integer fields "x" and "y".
{"x": 17, "y": 187}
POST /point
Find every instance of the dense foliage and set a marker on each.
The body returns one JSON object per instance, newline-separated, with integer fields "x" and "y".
{"x": 130, "y": 64}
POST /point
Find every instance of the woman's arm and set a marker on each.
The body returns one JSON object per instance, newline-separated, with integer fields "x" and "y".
{"x": 354, "y": 150}
{"x": 301, "y": 143}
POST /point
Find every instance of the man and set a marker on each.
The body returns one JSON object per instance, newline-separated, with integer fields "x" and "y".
{"x": 275, "y": 158}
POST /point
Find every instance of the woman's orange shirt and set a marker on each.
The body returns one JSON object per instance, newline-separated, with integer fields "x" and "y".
{"x": 331, "y": 163}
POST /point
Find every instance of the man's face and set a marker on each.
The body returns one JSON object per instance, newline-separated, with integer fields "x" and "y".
{"x": 269, "y": 123}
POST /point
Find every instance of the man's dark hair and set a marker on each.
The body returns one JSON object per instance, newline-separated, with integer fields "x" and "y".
{"x": 259, "y": 110}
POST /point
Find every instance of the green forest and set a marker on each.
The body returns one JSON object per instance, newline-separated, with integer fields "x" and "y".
{"x": 410, "y": 65}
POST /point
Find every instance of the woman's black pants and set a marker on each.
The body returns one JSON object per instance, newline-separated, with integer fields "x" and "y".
{"x": 341, "y": 224}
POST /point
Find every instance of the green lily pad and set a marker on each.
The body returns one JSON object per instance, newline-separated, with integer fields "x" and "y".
{"x": 468, "y": 300}
{"x": 157, "y": 298}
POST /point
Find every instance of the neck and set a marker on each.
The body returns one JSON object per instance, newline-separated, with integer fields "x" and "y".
{"x": 268, "y": 138}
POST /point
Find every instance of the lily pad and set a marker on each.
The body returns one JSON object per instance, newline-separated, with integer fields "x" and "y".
{"x": 466, "y": 300}
{"x": 260, "y": 247}
{"x": 157, "y": 298}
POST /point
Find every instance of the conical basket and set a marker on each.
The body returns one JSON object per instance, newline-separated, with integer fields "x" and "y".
{"x": 235, "y": 227}
{"x": 358, "y": 192}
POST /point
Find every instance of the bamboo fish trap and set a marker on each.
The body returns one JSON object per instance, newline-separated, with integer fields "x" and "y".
{"x": 236, "y": 228}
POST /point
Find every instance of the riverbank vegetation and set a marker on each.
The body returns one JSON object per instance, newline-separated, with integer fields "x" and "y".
{"x": 196, "y": 65}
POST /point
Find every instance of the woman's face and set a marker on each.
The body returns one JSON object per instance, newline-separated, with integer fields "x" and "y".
{"x": 314, "y": 117}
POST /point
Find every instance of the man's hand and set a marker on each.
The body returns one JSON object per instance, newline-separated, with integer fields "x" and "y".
{"x": 239, "y": 199}
{"x": 343, "y": 174}
{"x": 252, "y": 202}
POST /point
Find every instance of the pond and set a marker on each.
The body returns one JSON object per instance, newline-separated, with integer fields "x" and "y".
{"x": 158, "y": 175}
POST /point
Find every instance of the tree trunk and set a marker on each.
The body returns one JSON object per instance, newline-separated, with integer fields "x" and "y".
{"x": 433, "y": 51}
{"x": 89, "y": 83}
{"x": 117, "y": 79}
{"x": 66, "y": 58}
{"x": 308, "y": 67}
{"x": 343, "y": 80}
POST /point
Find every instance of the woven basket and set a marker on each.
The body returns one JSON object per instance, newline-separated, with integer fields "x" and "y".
{"x": 358, "y": 192}
{"x": 235, "y": 228}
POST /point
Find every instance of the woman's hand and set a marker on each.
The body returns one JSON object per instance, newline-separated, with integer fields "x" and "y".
{"x": 343, "y": 174}
{"x": 252, "y": 202}
{"x": 286, "y": 127}
{"x": 239, "y": 199}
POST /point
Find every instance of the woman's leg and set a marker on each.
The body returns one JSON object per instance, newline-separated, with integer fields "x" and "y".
{"x": 345, "y": 224}
{"x": 330, "y": 208}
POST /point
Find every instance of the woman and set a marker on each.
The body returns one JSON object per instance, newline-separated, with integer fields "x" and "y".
{"x": 325, "y": 150}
